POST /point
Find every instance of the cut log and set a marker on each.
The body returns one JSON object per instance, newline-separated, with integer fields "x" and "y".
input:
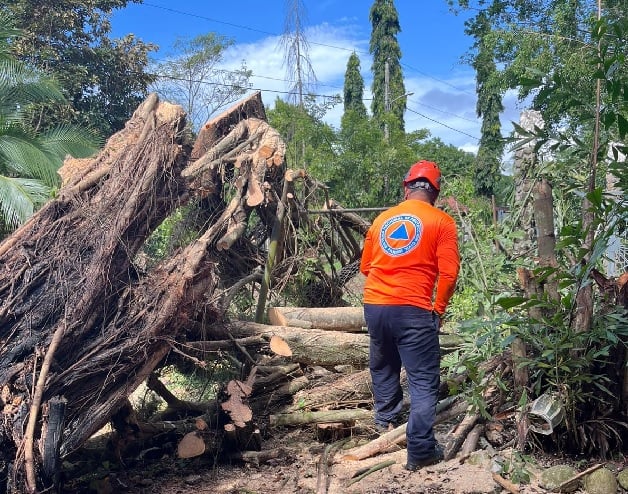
{"x": 313, "y": 346}
{"x": 339, "y": 392}
{"x": 455, "y": 440}
{"x": 470, "y": 444}
{"x": 191, "y": 445}
{"x": 301, "y": 418}
{"x": 263, "y": 403}
{"x": 331, "y": 318}
{"x": 394, "y": 439}
{"x": 221, "y": 125}
{"x": 333, "y": 431}
{"x": 319, "y": 347}
{"x": 258, "y": 457}
{"x": 386, "y": 442}
{"x": 279, "y": 346}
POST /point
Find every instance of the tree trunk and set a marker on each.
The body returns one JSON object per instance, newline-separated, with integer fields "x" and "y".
{"x": 312, "y": 346}
{"x": 318, "y": 347}
{"x": 331, "y": 318}
{"x": 301, "y": 418}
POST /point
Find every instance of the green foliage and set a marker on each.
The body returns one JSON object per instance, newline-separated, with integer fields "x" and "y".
{"x": 453, "y": 162}
{"x": 310, "y": 142}
{"x": 29, "y": 160}
{"x": 581, "y": 366}
{"x": 69, "y": 40}
{"x": 516, "y": 467}
{"x": 550, "y": 51}
{"x": 354, "y": 88}
{"x": 489, "y": 107}
{"x": 385, "y": 50}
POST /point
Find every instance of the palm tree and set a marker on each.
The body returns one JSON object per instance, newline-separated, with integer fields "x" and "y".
{"x": 29, "y": 159}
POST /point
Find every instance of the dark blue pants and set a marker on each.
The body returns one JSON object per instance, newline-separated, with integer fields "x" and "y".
{"x": 408, "y": 336}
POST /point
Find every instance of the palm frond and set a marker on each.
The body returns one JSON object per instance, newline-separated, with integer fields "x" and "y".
{"x": 7, "y": 30}
{"x": 21, "y": 86}
{"x": 22, "y": 154}
{"x": 19, "y": 198}
{"x": 68, "y": 139}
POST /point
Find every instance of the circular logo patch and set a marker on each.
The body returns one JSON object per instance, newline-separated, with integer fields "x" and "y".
{"x": 400, "y": 234}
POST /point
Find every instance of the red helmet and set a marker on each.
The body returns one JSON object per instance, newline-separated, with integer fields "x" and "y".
{"x": 427, "y": 170}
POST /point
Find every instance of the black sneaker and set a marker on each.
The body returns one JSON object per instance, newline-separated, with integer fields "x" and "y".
{"x": 414, "y": 465}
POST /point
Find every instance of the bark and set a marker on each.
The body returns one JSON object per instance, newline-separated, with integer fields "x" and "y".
{"x": 76, "y": 315}
{"x": 338, "y": 392}
{"x": 311, "y": 347}
{"x": 384, "y": 443}
{"x": 258, "y": 457}
{"x": 394, "y": 439}
{"x": 274, "y": 250}
{"x": 470, "y": 443}
{"x": 331, "y": 318}
{"x": 263, "y": 402}
{"x": 348, "y": 219}
{"x": 455, "y": 440}
{"x": 67, "y": 277}
{"x": 546, "y": 239}
{"x": 301, "y": 418}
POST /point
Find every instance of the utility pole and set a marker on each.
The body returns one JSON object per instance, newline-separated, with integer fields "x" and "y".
{"x": 386, "y": 98}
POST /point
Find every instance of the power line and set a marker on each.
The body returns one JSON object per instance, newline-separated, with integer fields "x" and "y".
{"x": 325, "y": 45}
{"x": 444, "y": 112}
{"x": 441, "y": 123}
{"x": 198, "y": 16}
{"x": 435, "y": 78}
{"x": 248, "y": 28}
{"x": 234, "y": 86}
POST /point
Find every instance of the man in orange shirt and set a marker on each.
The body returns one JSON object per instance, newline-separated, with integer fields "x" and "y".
{"x": 411, "y": 262}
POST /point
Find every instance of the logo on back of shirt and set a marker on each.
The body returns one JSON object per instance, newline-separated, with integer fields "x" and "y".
{"x": 400, "y": 234}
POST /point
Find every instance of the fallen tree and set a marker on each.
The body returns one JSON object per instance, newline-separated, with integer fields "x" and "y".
{"x": 332, "y": 318}
{"x": 79, "y": 322}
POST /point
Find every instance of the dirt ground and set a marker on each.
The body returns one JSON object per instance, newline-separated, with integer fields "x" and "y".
{"x": 296, "y": 471}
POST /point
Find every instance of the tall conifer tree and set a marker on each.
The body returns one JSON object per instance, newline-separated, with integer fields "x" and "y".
{"x": 489, "y": 106}
{"x": 386, "y": 53}
{"x": 354, "y": 87}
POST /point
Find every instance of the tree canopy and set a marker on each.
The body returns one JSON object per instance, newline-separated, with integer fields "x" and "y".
{"x": 69, "y": 40}
{"x": 388, "y": 86}
{"x": 354, "y": 88}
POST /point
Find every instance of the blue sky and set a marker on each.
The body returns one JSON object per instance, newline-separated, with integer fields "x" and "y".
{"x": 432, "y": 43}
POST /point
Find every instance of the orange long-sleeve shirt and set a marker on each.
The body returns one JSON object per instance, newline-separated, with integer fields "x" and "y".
{"x": 410, "y": 257}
